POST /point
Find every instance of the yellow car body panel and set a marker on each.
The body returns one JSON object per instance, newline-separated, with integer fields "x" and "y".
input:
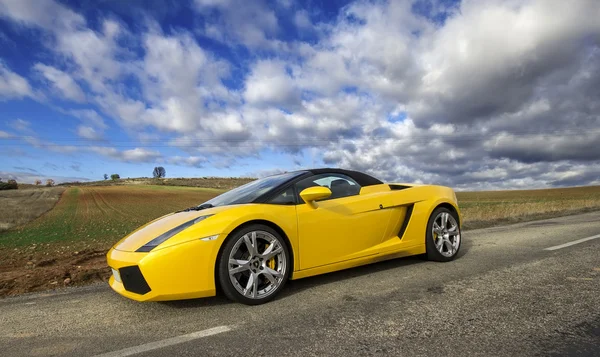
{"x": 323, "y": 236}
{"x": 172, "y": 272}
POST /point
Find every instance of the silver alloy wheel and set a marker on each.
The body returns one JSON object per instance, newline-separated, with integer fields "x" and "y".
{"x": 446, "y": 234}
{"x": 257, "y": 264}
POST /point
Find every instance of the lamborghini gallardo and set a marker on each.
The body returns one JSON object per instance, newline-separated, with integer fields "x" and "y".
{"x": 249, "y": 241}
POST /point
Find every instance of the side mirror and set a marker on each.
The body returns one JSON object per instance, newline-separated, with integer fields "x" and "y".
{"x": 316, "y": 193}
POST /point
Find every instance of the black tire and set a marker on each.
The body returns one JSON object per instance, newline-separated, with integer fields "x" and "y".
{"x": 432, "y": 251}
{"x": 226, "y": 283}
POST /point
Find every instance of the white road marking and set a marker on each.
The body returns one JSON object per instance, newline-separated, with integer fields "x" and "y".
{"x": 573, "y": 242}
{"x": 164, "y": 343}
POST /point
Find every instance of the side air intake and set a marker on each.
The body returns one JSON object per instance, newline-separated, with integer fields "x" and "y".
{"x": 409, "y": 210}
{"x": 395, "y": 187}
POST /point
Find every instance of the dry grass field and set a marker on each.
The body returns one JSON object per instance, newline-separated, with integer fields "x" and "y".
{"x": 18, "y": 207}
{"x": 490, "y": 208}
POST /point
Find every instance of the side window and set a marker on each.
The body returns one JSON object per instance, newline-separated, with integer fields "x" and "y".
{"x": 340, "y": 185}
{"x": 286, "y": 197}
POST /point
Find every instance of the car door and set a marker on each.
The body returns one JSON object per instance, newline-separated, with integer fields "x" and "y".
{"x": 341, "y": 227}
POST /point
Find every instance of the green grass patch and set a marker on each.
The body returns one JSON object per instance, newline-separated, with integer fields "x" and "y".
{"x": 56, "y": 224}
{"x": 103, "y": 215}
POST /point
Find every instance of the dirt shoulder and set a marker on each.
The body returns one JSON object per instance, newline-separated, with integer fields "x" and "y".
{"x": 46, "y": 267}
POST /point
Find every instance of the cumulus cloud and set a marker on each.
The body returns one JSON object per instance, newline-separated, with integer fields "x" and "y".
{"x": 250, "y": 23}
{"x": 495, "y": 57}
{"x": 269, "y": 83}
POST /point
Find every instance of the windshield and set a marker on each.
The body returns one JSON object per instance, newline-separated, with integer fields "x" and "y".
{"x": 251, "y": 191}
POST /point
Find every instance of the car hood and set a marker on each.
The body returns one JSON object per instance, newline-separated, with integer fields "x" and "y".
{"x": 149, "y": 231}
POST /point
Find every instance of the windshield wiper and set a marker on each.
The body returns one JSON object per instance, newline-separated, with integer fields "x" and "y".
{"x": 198, "y": 208}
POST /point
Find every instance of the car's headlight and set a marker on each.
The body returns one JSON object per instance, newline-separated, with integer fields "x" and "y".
{"x": 170, "y": 233}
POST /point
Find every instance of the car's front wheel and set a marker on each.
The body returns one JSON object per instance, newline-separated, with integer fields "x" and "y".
{"x": 254, "y": 265}
{"x": 443, "y": 235}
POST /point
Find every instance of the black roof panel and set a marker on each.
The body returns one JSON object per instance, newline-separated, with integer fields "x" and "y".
{"x": 360, "y": 178}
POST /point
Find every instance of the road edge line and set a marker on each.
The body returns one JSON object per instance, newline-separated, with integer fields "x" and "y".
{"x": 166, "y": 342}
{"x": 565, "y": 245}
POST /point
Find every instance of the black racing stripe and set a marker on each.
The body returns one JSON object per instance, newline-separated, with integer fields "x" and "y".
{"x": 409, "y": 210}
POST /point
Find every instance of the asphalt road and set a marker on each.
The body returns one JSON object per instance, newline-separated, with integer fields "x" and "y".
{"x": 504, "y": 296}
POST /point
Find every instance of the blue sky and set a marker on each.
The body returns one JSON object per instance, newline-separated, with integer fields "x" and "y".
{"x": 472, "y": 94}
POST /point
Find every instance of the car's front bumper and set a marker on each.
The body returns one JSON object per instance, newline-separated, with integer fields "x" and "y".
{"x": 182, "y": 271}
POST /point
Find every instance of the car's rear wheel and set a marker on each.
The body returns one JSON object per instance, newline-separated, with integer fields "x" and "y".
{"x": 443, "y": 235}
{"x": 254, "y": 265}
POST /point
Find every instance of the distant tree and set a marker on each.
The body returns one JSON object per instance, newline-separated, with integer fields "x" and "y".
{"x": 115, "y": 177}
{"x": 159, "y": 172}
{"x": 49, "y": 182}
{"x": 38, "y": 182}
{"x": 105, "y": 176}
{"x": 9, "y": 185}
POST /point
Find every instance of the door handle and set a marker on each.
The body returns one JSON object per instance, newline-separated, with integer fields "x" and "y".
{"x": 380, "y": 206}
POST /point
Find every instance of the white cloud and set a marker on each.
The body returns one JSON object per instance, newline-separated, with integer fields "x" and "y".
{"x": 131, "y": 155}
{"x": 88, "y": 132}
{"x": 13, "y": 85}
{"x": 509, "y": 45}
{"x": 21, "y": 125}
{"x": 5, "y": 135}
{"x": 285, "y": 3}
{"x": 147, "y": 156}
{"x": 194, "y": 161}
{"x": 49, "y": 146}
{"x": 250, "y": 23}
{"x": 88, "y": 116}
{"x": 93, "y": 54}
{"x": 46, "y": 14}
{"x": 302, "y": 20}
{"x": 62, "y": 81}
{"x": 269, "y": 83}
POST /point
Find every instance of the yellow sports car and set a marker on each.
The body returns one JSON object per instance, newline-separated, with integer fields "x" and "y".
{"x": 249, "y": 241}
